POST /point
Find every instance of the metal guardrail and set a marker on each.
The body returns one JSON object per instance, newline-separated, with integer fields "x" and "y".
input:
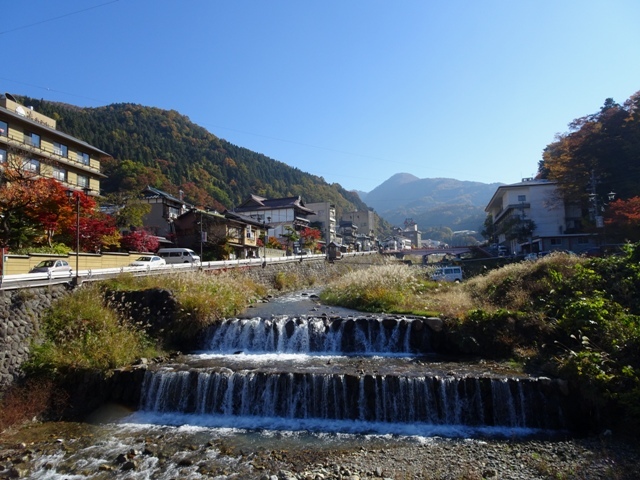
{"x": 27, "y": 280}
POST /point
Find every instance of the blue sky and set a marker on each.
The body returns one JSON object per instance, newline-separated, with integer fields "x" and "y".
{"x": 350, "y": 90}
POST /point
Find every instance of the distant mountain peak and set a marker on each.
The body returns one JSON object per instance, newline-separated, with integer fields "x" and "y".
{"x": 431, "y": 202}
{"x": 400, "y": 178}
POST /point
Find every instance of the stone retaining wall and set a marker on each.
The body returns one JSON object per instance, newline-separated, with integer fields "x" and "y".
{"x": 20, "y": 312}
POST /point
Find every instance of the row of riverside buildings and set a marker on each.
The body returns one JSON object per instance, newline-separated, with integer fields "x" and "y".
{"x": 43, "y": 150}
{"x": 32, "y": 140}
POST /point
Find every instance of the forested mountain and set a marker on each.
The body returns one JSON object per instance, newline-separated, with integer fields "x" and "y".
{"x": 432, "y": 202}
{"x": 164, "y": 149}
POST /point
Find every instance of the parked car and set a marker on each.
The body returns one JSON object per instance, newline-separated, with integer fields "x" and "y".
{"x": 150, "y": 261}
{"x": 51, "y": 266}
{"x": 531, "y": 256}
{"x": 447, "y": 274}
{"x": 179, "y": 255}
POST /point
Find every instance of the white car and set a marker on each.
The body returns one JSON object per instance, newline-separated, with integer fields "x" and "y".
{"x": 150, "y": 261}
{"x": 51, "y": 266}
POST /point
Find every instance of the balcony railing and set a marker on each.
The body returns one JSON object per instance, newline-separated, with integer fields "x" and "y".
{"x": 56, "y": 154}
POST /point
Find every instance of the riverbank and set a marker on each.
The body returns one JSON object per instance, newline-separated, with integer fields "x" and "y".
{"x": 86, "y": 451}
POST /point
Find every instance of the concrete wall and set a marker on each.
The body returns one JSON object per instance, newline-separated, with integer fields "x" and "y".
{"x": 19, "y": 264}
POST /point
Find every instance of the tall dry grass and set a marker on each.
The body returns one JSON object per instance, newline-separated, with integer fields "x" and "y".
{"x": 517, "y": 286}
{"x": 401, "y": 288}
{"x": 379, "y": 288}
{"x": 204, "y": 297}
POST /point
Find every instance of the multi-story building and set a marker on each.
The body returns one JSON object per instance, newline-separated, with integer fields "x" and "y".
{"x": 204, "y": 230}
{"x": 412, "y": 233}
{"x": 278, "y": 213}
{"x": 165, "y": 208}
{"x": 516, "y": 208}
{"x": 365, "y": 220}
{"x": 349, "y": 233}
{"x": 325, "y": 218}
{"x": 30, "y": 141}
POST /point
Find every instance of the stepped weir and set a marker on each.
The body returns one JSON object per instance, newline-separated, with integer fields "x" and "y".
{"x": 376, "y": 372}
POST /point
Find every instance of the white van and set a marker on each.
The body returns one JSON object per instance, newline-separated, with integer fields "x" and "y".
{"x": 179, "y": 255}
{"x": 447, "y": 274}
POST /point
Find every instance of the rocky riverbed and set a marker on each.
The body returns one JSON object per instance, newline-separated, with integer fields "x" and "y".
{"x": 83, "y": 451}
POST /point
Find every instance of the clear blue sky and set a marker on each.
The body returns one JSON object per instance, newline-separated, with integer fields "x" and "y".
{"x": 350, "y": 90}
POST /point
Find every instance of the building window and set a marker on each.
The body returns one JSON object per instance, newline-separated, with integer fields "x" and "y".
{"x": 522, "y": 198}
{"x": 3, "y": 156}
{"x": 60, "y": 149}
{"x": 173, "y": 212}
{"x": 583, "y": 241}
{"x": 554, "y": 242}
{"x": 4, "y": 129}
{"x": 32, "y": 166}
{"x": 83, "y": 158}
{"x": 32, "y": 139}
{"x": 83, "y": 181}
{"x": 60, "y": 174}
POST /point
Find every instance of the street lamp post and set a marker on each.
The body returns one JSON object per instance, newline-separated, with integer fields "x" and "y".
{"x": 201, "y": 238}
{"x": 265, "y": 220}
{"x": 70, "y": 194}
{"x": 598, "y": 211}
{"x": 203, "y": 234}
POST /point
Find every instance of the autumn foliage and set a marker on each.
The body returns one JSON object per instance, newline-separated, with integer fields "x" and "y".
{"x": 139, "y": 241}
{"x": 37, "y": 211}
{"x": 600, "y": 152}
{"x": 309, "y": 237}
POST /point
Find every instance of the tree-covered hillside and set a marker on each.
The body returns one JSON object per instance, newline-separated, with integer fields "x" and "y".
{"x": 599, "y": 154}
{"x": 164, "y": 149}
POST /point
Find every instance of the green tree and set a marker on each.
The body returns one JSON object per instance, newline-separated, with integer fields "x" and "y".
{"x": 292, "y": 236}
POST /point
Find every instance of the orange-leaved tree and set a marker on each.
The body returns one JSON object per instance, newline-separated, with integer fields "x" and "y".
{"x": 625, "y": 216}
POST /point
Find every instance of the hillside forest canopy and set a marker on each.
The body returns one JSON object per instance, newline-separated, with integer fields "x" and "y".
{"x": 165, "y": 150}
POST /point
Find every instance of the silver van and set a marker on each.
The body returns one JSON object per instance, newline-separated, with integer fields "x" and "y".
{"x": 447, "y": 274}
{"x": 179, "y": 255}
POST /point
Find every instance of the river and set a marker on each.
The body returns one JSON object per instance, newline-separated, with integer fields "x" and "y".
{"x": 294, "y": 389}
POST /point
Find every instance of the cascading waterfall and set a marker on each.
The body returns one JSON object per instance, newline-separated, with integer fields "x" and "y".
{"x": 316, "y": 386}
{"x": 318, "y": 335}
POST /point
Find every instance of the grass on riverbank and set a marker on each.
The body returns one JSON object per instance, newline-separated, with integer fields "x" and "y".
{"x": 81, "y": 333}
{"x": 394, "y": 288}
{"x": 203, "y": 297}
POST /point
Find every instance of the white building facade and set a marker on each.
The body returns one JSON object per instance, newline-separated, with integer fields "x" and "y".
{"x": 537, "y": 203}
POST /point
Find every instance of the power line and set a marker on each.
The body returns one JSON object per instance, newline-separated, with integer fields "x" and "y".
{"x": 48, "y": 89}
{"x": 22, "y": 27}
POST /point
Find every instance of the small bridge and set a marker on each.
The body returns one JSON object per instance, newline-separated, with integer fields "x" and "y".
{"x": 453, "y": 251}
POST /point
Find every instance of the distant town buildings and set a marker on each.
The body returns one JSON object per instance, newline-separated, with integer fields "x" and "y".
{"x": 324, "y": 219}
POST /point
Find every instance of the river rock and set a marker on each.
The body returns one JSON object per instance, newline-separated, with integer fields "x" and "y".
{"x": 434, "y": 323}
